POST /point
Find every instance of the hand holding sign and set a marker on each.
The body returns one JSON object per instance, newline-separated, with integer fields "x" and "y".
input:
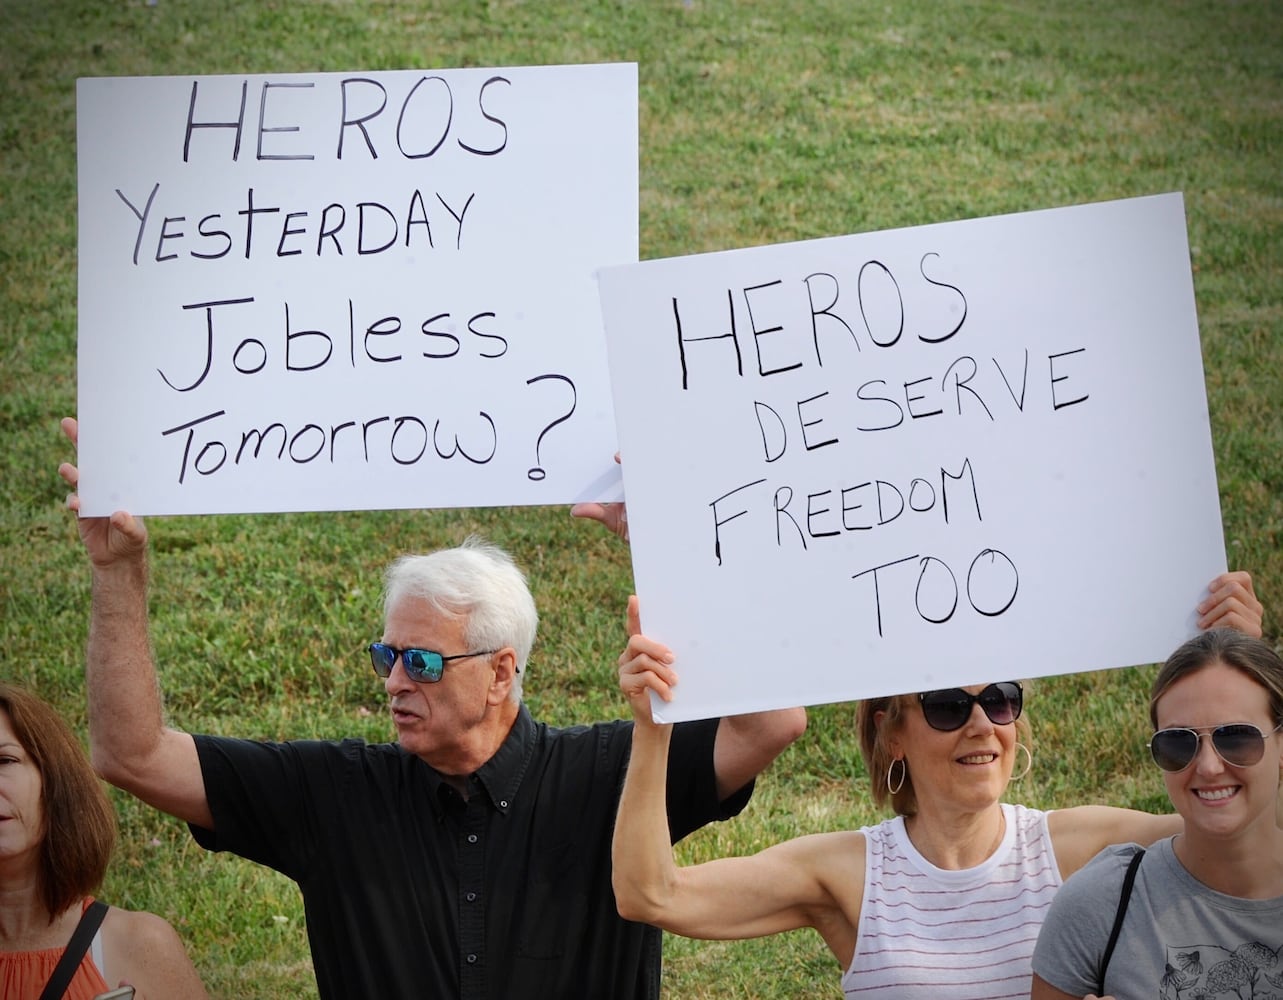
{"x": 613, "y": 516}
{"x": 121, "y": 536}
{"x": 645, "y": 668}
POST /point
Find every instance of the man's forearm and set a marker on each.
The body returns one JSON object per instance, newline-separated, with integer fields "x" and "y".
{"x": 125, "y": 720}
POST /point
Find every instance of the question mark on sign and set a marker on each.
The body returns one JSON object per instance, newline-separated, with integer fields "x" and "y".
{"x": 538, "y": 473}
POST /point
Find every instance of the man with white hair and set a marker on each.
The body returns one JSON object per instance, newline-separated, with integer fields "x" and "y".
{"x": 471, "y": 858}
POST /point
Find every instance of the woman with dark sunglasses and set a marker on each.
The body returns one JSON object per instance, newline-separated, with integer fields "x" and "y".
{"x": 1202, "y": 912}
{"x": 945, "y": 899}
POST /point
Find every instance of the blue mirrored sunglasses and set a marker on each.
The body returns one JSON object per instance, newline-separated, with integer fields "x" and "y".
{"x": 422, "y": 665}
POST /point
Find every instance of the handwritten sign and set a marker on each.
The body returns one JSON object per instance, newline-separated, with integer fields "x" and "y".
{"x": 915, "y": 459}
{"x": 350, "y": 290}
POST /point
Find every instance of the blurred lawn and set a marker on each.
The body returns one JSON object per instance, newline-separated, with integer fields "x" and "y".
{"x": 760, "y": 122}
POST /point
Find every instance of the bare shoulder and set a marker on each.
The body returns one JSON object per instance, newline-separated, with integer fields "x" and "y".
{"x": 144, "y": 949}
{"x": 850, "y": 849}
{"x": 817, "y": 869}
{"x": 836, "y": 863}
{"x": 1080, "y": 833}
{"x": 137, "y": 926}
{"x": 840, "y": 849}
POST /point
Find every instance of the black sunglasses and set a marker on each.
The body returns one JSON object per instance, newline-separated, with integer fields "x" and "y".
{"x": 950, "y": 708}
{"x": 423, "y": 665}
{"x": 1237, "y": 743}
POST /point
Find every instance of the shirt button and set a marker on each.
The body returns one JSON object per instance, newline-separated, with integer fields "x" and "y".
{"x": 472, "y": 838}
{"x": 503, "y": 803}
{"x": 472, "y": 959}
{"x": 471, "y": 897}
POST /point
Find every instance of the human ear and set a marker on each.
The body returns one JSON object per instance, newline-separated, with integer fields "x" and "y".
{"x": 503, "y": 665}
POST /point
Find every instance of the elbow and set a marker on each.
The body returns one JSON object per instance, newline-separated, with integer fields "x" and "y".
{"x": 795, "y": 723}
{"x": 642, "y": 887}
{"x": 634, "y": 903}
{"x": 112, "y": 767}
{"x": 109, "y": 767}
{"x": 786, "y": 727}
{"x": 103, "y": 762}
{"x": 629, "y": 908}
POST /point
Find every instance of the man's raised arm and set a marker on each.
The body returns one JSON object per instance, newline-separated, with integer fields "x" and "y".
{"x": 746, "y": 744}
{"x": 129, "y": 743}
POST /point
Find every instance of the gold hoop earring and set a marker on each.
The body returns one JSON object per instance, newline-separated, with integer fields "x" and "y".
{"x": 1028, "y": 766}
{"x": 904, "y": 773}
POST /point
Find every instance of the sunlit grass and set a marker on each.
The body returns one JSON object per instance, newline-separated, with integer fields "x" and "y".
{"x": 759, "y": 122}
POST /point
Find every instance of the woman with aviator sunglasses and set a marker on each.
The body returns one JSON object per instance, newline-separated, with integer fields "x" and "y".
{"x": 1202, "y": 912}
{"x": 945, "y": 899}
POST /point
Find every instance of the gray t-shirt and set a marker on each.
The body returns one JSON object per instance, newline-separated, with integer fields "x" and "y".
{"x": 1179, "y": 938}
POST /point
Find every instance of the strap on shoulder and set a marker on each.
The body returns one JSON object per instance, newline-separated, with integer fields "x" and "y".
{"x": 1123, "y": 899}
{"x": 84, "y": 933}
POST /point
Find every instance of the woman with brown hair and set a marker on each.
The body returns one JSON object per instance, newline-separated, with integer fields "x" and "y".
{"x": 1200, "y": 913}
{"x": 944, "y": 899}
{"x": 57, "y": 830}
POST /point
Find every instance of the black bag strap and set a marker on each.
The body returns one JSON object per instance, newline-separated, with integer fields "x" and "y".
{"x": 1123, "y": 899}
{"x": 62, "y": 973}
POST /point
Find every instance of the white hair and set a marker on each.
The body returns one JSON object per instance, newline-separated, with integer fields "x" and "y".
{"x": 477, "y": 581}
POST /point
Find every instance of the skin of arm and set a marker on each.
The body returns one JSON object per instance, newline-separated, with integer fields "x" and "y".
{"x": 130, "y": 746}
{"x": 746, "y": 744}
{"x": 142, "y": 950}
{"x": 787, "y": 886}
{"x": 1042, "y": 990}
{"x": 1080, "y": 833}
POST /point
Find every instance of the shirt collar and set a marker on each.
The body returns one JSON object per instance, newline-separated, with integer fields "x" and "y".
{"x": 500, "y": 776}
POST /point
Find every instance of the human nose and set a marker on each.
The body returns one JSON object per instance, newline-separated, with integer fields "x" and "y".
{"x": 397, "y": 679}
{"x": 1206, "y": 759}
{"x": 977, "y": 721}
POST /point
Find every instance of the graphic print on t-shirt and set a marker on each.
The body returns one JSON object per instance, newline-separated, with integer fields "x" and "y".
{"x": 1252, "y": 971}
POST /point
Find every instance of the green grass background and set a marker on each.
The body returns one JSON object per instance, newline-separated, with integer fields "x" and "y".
{"x": 760, "y": 122}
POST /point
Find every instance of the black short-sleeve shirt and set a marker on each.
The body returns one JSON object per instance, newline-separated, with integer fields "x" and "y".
{"x": 412, "y": 891}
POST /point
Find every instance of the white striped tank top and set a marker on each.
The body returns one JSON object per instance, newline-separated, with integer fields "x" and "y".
{"x": 952, "y": 935}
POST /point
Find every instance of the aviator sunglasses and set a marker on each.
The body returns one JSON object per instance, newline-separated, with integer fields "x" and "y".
{"x": 422, "y": 665}
{"x": 950, "y": 708}
{"x": 1237, "y": 743}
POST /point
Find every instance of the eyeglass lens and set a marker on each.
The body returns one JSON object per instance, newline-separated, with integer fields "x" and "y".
{"x": 1237, "y": 743}
{"x": 420, "y": 664}
{"x": 949, "y": 709}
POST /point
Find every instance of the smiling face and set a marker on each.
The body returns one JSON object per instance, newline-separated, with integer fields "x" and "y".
{"x": 21, "y": 809}
{"x": 458, "y": 722}
{"x": 1216, "y": 799}
{"x": 966, "y": 769}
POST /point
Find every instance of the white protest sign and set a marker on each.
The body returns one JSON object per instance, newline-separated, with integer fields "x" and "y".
{"x": 350, "y": 290}
{"x": 914, "y": 459}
